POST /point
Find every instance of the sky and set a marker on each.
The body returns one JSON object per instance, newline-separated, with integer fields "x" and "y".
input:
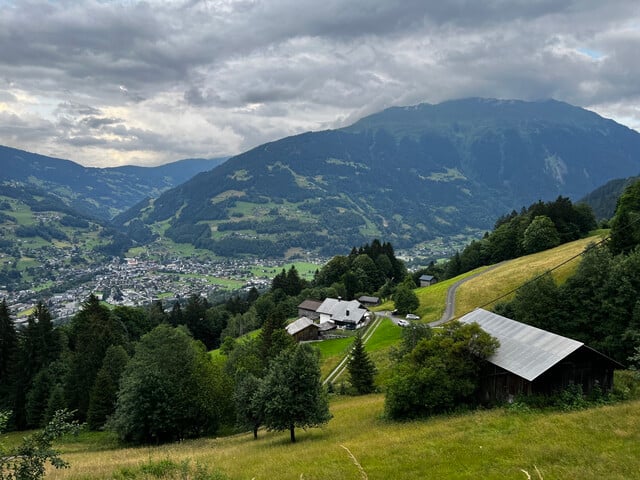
{"x": 109, "y": 83}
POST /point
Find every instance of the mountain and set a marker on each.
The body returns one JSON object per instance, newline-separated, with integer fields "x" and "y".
{"x": 603, "y": 200}
{"x": 99, "y": 192}
{"x": 406, "y": 174}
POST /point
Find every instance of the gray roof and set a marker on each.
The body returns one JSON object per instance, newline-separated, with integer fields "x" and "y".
{"x": 342, "y": 310}
{"x": 368, "y": 299}
{"x": 524, "y": 350}
{"x": 299, "y": 325}
{"x": 311, "y": 305}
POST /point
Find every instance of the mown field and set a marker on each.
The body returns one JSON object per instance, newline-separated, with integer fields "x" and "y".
{"x": 483, "y": 290}
{"x": 598, "y": 443}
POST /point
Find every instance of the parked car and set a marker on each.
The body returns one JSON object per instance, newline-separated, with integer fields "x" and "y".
{"x": 411, "y": 316}
{"x": 403, "y": 323}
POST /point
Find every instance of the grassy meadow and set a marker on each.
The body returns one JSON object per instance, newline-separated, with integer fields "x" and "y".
{"x": 597, "y": 443}
{"x": 484, "y": 289}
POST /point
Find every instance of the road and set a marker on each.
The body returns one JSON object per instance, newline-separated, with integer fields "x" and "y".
{"x": 449, "y": 310}
{"x": 448, "y": 314}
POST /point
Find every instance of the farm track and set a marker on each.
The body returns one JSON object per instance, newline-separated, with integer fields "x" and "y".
{"x": 336, "y": 372}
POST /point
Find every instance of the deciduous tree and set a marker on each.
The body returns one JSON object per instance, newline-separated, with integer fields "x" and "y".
{"x": 169, "y": 390}
{"x": 440, "y": 372}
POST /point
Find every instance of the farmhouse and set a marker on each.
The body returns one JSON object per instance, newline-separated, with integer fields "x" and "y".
{"x": 427, "y": 280}
{"x": 345, "y": 314}
{"x": 309, "y": 308}
{"x": 303, "y": 329}
{"x": 533, "y": 361}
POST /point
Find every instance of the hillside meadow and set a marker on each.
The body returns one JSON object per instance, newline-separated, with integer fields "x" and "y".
{"x": 501, "y": 281}
{"x": 359, "y": 443}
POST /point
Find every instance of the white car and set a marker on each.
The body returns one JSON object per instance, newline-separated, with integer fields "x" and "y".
{"x": 411, "y": 316}
{"x": 403, "y": 323}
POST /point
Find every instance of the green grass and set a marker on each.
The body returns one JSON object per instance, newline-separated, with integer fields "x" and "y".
{"x": 305, "y": 270}
{"x": 432, "y": 299}
{"x": 597, "y": 443}
{"x": 484, "y": 289}
{"x": 332, "y": 352}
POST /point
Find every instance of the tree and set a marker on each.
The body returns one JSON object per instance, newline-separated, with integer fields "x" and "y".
{"x": 293, "y": 392}
{"x": 92, "y": 331}
{"x": 169, "y": 390}
{"x": 405, "y": 300}
{"x": 39, "y": 346}
{"x": 273, "y": 337}
{"x": 29, "y": 459}
{"x": 249, "y": 403}
{"x": 8, "y": 351}
{"x": 102, "y": 401}
{"x": 625, "y": 226}
{"x": 361, "y": 369}
{"x": 541, "y": 234}
{"x": 440, "y": 373}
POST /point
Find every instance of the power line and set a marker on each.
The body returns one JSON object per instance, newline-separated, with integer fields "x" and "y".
{"x": 589, "y": 247}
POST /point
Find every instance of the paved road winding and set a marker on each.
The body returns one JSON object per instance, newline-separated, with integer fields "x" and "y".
{"x": 449, "y": 310}
{"x": 448, "y": 314}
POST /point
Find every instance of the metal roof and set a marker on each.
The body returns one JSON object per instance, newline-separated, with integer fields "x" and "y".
{"x": 524, "y": 350}
{"x": 299, "y": 325}
{"x": 310, "y": 305}
{"x": 342, "y": 310}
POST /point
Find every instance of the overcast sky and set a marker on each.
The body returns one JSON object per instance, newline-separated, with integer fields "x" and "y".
{"x": 106, "y": 83}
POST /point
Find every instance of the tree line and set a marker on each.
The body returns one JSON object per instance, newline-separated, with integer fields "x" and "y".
{"x": 130, "y": 370}
{"x": 598, "y": 304}
{"x": 538, "y": 227}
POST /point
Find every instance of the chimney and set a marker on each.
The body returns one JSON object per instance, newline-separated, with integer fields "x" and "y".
{"x": 339, "y": 299}
{"x": 347, "y": 313}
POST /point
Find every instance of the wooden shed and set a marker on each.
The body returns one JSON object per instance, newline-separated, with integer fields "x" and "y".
{"x": 303, "y": 329}
{"x": 427, "y": 280}
{"x": 530, "y": 360}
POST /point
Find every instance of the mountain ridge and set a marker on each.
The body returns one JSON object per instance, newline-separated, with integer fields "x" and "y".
{"x": 99, "y": 192}
{"x": 406, "y": 174}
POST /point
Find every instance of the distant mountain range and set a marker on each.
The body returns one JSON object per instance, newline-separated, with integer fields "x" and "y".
{"x": 99, "y": 192}
{"x": 406, "y": 174}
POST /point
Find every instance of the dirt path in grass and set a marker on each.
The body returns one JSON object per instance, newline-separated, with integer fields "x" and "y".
{"x": 336, "y": 372}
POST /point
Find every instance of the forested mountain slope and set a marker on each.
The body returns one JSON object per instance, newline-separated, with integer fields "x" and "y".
{"x": 407, "y": 174}
{"x": 99, "y": 192}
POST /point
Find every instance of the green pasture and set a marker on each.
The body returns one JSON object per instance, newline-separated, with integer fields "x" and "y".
{"x": 360, "y": 443}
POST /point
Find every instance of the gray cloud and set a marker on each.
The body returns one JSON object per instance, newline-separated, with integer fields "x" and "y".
{"x": 155, "y": 81}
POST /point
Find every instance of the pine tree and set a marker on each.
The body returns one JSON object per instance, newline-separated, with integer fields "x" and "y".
{"x": 249, "y": 403}
{"x": 93, "y": 330}
{"x": 102, "y": 402}
{"x": 293, "y": 393}
{"x": 8, "y": 351}
{"x": 361, "y": 369}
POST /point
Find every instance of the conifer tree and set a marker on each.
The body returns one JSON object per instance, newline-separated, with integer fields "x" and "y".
{"x": 102, "y": 402}
{"x": 8, "y": 350}
{"x": 293, "y": 393}
{"x": 361, "y": 369}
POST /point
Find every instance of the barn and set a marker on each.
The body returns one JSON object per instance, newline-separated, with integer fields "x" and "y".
{"x": 303, "y": 330}
{"x": 530, "y": 360}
